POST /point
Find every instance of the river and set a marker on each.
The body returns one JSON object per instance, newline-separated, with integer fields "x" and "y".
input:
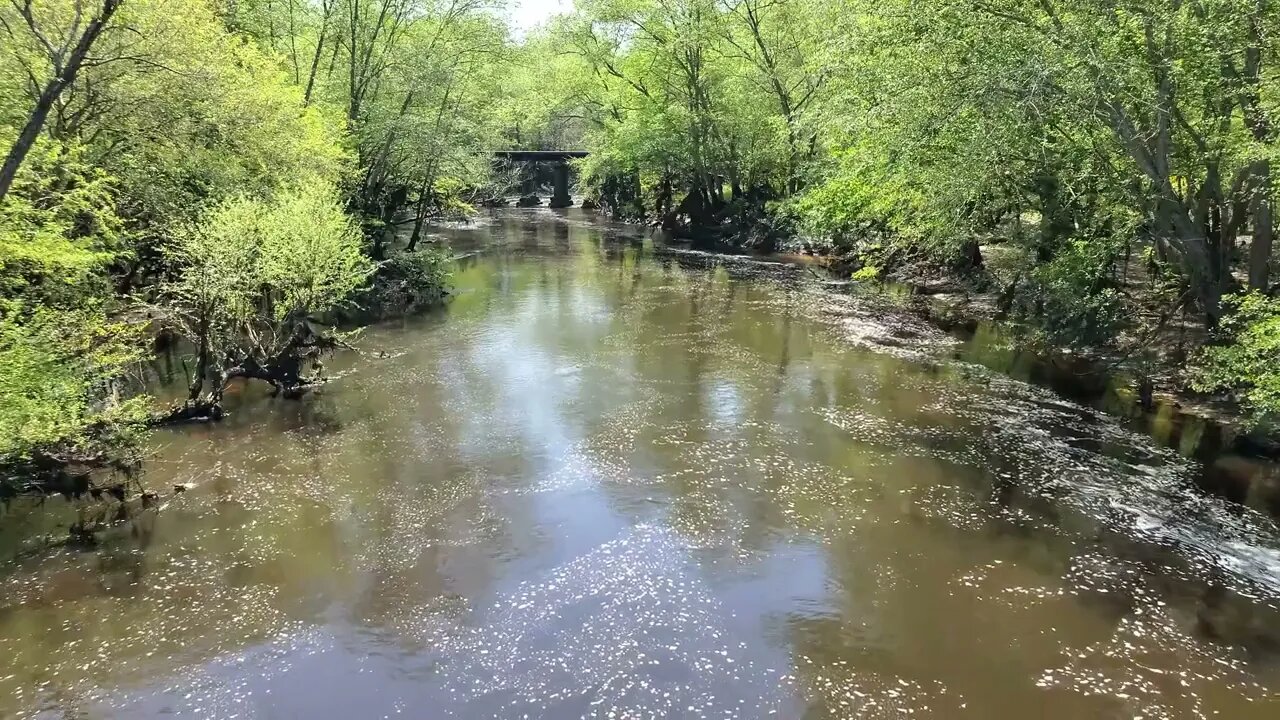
{"x": 616, "y": 480}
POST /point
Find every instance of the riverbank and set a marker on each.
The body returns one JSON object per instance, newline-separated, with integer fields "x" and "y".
{"x": 1146, "y": 390}
{"x": 1153, "y": 368}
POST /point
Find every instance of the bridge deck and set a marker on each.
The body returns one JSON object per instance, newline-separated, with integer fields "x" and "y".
{"x": 526, "y": 155}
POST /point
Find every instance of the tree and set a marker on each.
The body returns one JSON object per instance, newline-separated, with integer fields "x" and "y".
{"x": 256, "y": 277}
{"x": 188, "y": 160}
{"x": 63, "y": 56}
{"x": 783, "y": 41}
{"x": 62, "y": 397}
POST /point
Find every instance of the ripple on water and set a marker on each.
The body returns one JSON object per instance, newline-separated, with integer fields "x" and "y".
{"x": 680, "y": 499}
{"x": 1027, "y": 441}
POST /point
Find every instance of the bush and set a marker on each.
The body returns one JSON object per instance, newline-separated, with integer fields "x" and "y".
{"x": 408, "y": 281}
{"x": 255, "y": 273}
{"x": 1246, "y": 360}
{"x": 1074, "y": 298}
{"x": 61, "y": 374}
{"x": 867, "y": 273}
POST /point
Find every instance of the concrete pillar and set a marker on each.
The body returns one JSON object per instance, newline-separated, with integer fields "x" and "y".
{"x": 529, "y": 175}
{"x": 529, "y": 185}
{"x": 560, "y": 197}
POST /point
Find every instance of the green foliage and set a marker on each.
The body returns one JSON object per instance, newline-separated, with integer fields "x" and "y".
{"x": 1073, "y": 298}
{"x": 203, "y": 164}
{"x": 448, "y": 198}
{"x": 866, "y": 273}
{"x": 688, "y": 96}
{"x": 419, "y": 89}
{"x": 214, "y": 295}
{"x": 57, "y": 229}
{"x": 407, "y": 281}
{"x": 251, "y": 268}
{"x": 852, "y": 208}
{"x": 61, "y": 376}
{"x": 1246, "y": 361}
{"x": 309, "y": 252}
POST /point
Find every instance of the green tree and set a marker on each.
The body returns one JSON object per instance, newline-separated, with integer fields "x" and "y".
{"x": 255, "y": 278}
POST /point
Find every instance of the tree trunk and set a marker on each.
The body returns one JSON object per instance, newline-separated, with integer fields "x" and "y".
{"x": 417, "y": 233}
{"x": 662, "y": 205}
{"x": 1053, "y": 224}
{"x": 353, "y": 101}
{"x": 333, "y": 59}
{"x": 202, "y": 362}
{"x": 315, "y": 59}
{"x": 27, "y": 138}
{"x": 970, "y": 257}
{"x": 1260, "y": 248}
{"x": 293, "y": 45}
{"x": 419, "y": 215}
{"x": 1198, "y": 258}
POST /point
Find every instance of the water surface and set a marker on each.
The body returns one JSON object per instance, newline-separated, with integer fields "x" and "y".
{"x": 621, "y": 481}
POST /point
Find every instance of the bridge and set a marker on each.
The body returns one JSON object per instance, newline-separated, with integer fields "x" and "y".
{"x": 560, "y": 167}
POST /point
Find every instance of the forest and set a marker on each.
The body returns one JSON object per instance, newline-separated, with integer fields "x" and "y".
{"x": 242, "y": 178}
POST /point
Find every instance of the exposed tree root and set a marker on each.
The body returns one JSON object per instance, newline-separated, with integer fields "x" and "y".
{"x": 283, "y": 371}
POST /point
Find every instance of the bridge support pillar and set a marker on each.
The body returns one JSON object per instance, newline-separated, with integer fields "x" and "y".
{"x": 529, "y": 185}
{"x": 560, "y": 194}
{"x": 529, "y": 178}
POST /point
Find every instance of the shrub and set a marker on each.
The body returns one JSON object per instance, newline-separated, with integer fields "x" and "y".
{"x": 1246, "y": 359}
{"x": 1073, "y": 295}
{"x": 408, "y": 281}
{"x": 61, "y": 395}
{"x": 255, "y": 273}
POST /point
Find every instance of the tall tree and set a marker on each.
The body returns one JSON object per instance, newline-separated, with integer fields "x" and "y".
{"x": 64, "y": 53}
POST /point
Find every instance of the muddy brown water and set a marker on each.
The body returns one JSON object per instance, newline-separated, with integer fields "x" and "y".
{"x": 617, "y": 480}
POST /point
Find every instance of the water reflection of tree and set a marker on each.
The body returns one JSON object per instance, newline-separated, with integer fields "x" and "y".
{"x": 406, "y": 492}
{"x": 1001, "y": 506}
{"x": 307, "y": 520}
